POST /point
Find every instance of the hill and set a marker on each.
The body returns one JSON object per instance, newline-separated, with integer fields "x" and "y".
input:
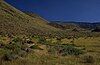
{"x": 13, "y": 21}
{"x": 84, "y": 25}
{"x": 63, "y": 26}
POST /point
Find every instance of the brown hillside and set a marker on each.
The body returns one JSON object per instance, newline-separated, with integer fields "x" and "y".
{"x": 13, "y": 21}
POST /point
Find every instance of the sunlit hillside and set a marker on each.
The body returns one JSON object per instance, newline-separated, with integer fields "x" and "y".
{"x": 28, "y": 39}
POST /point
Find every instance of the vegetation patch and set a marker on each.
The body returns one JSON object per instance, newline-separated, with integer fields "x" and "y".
{"x": 40, "y": 39}
{"x": 35, "y": 47}
{"x": 87, "y": 59}
{"x": 65, "y": 49}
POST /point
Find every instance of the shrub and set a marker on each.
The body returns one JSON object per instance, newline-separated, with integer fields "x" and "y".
{"x": 15, "y": 47}
{"x": 13, "y": 50}
{"x": 87, "y": 59}
{"x": 16, "y": 39}
{"x": 40, "y": 39}
{"x": 8, "y": 56}
{"x": 69, "y": 50}
{"x": 66, "y": 49}
{"x": 35, "y": 47}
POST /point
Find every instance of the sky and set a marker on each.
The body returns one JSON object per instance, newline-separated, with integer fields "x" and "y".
{"x": 61, "y": 10}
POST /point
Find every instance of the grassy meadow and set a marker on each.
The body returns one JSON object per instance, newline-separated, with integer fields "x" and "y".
{"x": 47, "y": 51}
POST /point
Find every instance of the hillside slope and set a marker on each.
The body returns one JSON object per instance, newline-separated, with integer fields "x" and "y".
{"x": 64, "y": 26}
{"x": 13, "y": 21}
{"x": 85, "y": 25}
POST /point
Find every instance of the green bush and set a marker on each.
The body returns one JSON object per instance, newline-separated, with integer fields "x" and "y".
{"x": 9, "y": 55}
{"x": 66, "y": 49}
{"x": 35, "y": 47}
{"x": 70, "y": 50}
{"x": 13, "y": 50}
{"x": 40, "y": 39}
{"x": 16, "y": 39}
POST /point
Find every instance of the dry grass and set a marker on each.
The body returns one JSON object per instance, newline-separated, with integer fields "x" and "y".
{"x": 13, "y": 21}
{"x": 41, "y": 57}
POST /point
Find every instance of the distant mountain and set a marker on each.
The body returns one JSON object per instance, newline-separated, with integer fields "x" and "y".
{"x": 13, "y": 21}
{"x": 63, "y": 26}
{"x": 85, "y": 25}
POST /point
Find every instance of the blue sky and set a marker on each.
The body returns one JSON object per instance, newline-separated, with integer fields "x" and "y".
{"x": 64, "y": 10}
